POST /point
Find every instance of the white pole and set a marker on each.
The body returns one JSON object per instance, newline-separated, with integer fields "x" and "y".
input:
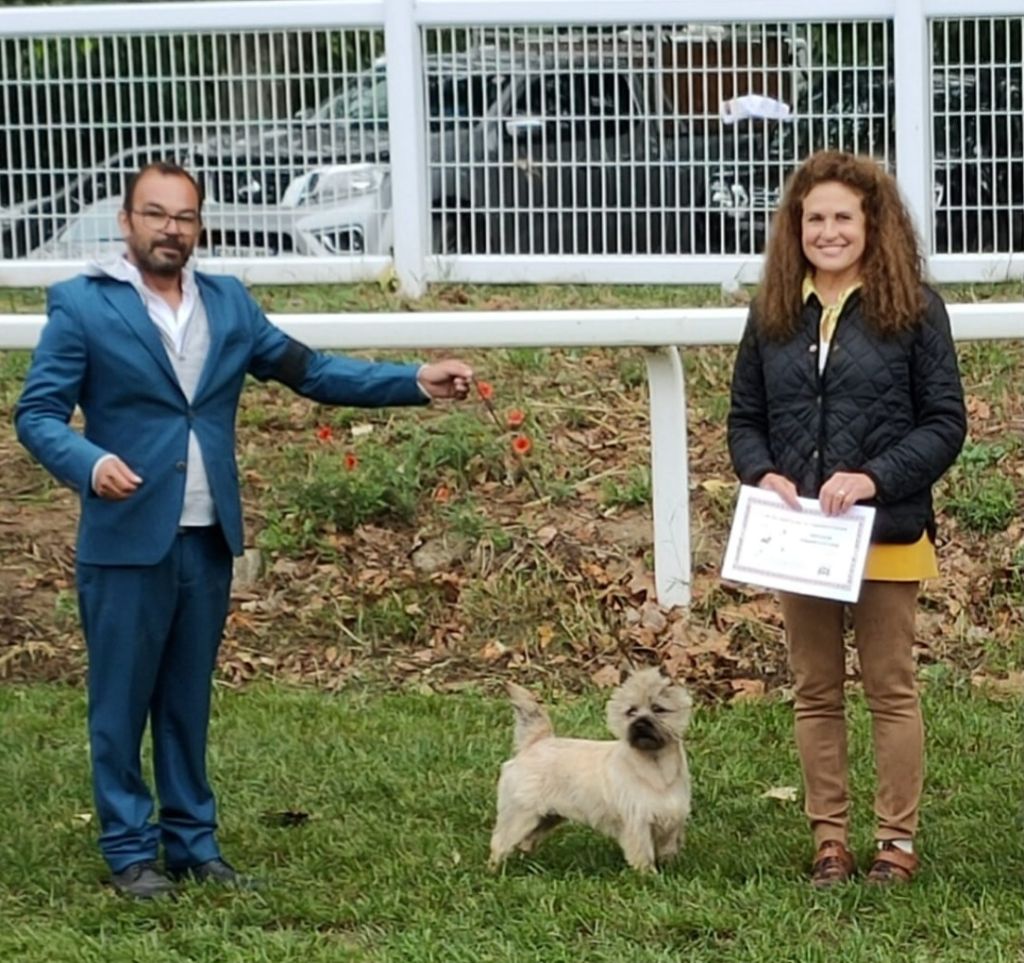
{"x": 911, "y": 56}
{"x": 670, "y": 486}
{"x": 407, "y": 144}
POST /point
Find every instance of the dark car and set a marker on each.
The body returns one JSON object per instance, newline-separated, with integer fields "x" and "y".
{"x": 540, "y": 150}
{"x": 977, "y": 163}
{"x": 568, "y": 158}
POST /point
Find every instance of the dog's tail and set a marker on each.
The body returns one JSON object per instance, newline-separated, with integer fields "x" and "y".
{"x": 532, "y": 721}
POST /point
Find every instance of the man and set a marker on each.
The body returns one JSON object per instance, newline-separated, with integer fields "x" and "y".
{"x": 156, "y": 354}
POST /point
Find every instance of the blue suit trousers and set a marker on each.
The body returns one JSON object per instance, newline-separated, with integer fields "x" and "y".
{"x": 152, "y": 634}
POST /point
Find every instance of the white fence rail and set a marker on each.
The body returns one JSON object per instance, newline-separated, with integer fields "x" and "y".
{"x": 660, "y": 331}
{"x": 520, "y": 141}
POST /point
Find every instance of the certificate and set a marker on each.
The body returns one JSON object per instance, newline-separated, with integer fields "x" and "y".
{"x": 804, "y": 551}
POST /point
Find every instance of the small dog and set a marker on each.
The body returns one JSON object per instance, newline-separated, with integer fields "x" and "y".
{"x": 635, "y": 789}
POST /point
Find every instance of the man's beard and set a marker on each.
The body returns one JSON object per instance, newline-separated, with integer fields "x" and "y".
{"x": 157, "y": 258}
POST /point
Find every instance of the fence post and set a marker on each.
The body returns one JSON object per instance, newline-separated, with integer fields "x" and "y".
{"x": 670, "y": 484}
{"x": 407, "y": 144}
{"x": 913, "y": 78}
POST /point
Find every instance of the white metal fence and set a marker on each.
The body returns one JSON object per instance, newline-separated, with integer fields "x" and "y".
{"x": 512, "y": 141}
{"x": 660, "y": 331}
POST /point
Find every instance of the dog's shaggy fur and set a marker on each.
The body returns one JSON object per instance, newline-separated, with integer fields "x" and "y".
{"x": 635, "y": 789}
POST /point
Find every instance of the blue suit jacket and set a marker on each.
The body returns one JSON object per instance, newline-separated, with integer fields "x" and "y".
{"x": 100, "y": 350}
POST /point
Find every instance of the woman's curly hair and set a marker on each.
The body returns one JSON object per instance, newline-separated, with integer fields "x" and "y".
{"x": 891, "y": 268}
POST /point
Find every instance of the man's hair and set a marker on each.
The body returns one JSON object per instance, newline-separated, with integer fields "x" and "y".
{"x": 163, "y": 167}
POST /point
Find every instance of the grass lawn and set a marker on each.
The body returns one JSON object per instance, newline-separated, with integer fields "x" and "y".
{"x": 390, "y": 864}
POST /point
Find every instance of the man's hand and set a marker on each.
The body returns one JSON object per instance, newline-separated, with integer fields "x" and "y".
{"x": 843, "y": 490}
{"x": 782, "y": 487}
{"x": 445, "y": 379}
{"x": 114, "y": 479}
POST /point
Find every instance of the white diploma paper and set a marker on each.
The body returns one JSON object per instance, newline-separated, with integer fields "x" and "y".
{"x": 804, "y": 551}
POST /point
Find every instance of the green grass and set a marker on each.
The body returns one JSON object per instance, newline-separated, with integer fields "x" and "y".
{"x": 390, "y": 866}
{"x": 373, "y": 296}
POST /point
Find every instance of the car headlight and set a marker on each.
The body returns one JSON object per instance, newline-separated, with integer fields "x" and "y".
{"x": 340, "y": 240}
{"x": 728, "y": 196}
{"x": 340, "y": 182}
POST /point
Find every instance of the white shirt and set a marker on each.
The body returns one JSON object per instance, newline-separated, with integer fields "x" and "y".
{"x": 172, "y": 324}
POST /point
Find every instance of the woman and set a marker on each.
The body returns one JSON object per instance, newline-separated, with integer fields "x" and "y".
{"x": 846, "y": 389}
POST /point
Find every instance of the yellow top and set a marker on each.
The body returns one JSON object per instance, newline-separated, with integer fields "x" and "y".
{"x": 885, "y": 563}
{"x": 829, "y": 315}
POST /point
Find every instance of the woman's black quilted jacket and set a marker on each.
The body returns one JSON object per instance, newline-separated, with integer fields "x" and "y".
{"x": 889, "y": 406}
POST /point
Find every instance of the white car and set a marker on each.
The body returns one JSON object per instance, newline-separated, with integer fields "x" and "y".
{"x": 341, "y": 210}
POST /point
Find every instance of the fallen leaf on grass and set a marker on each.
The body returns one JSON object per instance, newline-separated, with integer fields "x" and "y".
{"x": 747, "y": 689}
{"x": 782, "y": 793}
{"x": 714, "y": 486}
{"x": 545, "y": 633}
{"x": 607, "y": 677}
{"x": 546, "y": 535}
{"x": 492, "y": 651}
{"x": 1010, "y": 687}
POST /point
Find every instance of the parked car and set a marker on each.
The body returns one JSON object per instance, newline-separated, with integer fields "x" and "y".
{"x": 27, "y": 225}
{"x": 978, "y": 137}
{"x": 321, "y": 226}
{"x": 977, "y": 164}
{"x": 540, "y": 150}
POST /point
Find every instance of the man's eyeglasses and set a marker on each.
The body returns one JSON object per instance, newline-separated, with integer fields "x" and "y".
{"x": 157, "y": 219}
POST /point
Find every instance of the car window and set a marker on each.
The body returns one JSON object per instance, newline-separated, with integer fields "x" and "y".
{"x": 365, "y": 102}
{"x": 451, "y": 99}
{"x": 587, "y": 104}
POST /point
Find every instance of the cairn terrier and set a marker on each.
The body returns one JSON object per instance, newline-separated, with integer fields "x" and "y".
{"x": 635, "y": 788}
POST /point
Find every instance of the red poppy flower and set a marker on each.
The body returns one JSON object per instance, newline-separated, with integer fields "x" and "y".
{"x": 325, "y": 433}
{"x": 514, "y": 418}
{"x": 351, "y": 462}
{"x": 485, "y": 389}
{"x": 521, "y": 445}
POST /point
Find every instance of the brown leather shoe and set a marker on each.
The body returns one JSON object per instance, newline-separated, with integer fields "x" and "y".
{"x": 833, "y": 864}
{"x": 892, "y": 865}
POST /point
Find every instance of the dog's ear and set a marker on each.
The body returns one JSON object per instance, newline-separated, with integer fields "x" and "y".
{"x": 686, "y": 705}
{"x": 667, "y": 674}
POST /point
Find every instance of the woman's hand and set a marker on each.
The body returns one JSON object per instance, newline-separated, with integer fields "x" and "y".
{"x": 843, "y": 490}
{"x": 782, "y": 487}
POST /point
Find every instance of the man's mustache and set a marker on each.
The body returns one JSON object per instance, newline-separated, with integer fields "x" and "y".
{"x": 168, "y": 242}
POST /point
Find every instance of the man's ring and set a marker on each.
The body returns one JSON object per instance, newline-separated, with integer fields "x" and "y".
{"x": 841, "y": 493}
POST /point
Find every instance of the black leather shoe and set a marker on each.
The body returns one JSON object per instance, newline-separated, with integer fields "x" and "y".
{"x": 142, "y": 881}
{"x": 214, "y": 871}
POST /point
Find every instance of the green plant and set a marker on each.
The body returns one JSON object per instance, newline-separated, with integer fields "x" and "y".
{"x": 466, "y": 519}
{"x": 977, "y": 493}
{"x": 341, "y": 491}
{"x": 635, "y": 492}
{"x": 528, "y": 359}
{"x": 463, "y": 445}
{"x": 632, "y": 371}
{"x": 395, "y": 619}
{"x": 65, "y": 609}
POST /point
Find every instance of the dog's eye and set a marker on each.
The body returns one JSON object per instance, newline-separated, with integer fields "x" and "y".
{"x": 659, "y": 709}
{"x": 631, "y": 711}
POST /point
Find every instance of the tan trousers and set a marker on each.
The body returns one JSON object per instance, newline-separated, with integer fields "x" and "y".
{"x": 883, "y": 625}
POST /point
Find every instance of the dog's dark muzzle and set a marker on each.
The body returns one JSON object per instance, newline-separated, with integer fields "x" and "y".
{"x": 644, "y": 734}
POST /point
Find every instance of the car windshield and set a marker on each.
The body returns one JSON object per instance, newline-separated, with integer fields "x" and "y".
{"x": 366, "y": 100}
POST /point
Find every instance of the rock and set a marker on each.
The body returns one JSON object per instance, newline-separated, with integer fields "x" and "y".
{"x": 247, "y": 570}
{"x": 439, "y": 554}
